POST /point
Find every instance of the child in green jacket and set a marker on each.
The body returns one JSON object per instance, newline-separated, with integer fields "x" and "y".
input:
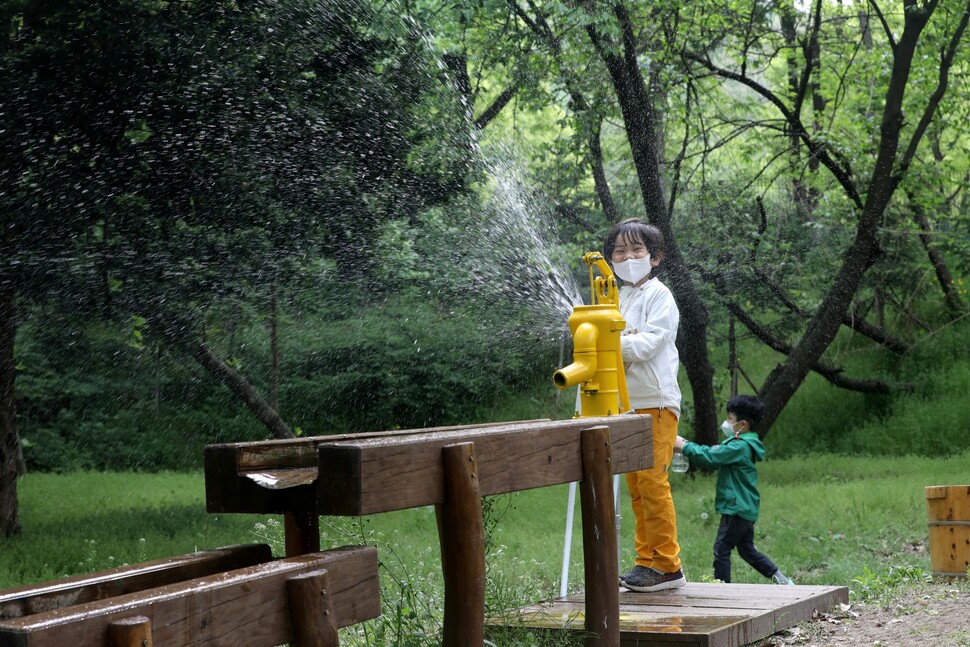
{"x": 737, "y": 499}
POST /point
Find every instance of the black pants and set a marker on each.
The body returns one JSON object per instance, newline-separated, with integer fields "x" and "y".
{"x": 735, "y": 532}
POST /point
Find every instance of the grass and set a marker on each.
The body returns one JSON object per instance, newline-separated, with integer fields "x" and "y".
{"x": 837, "y": 520}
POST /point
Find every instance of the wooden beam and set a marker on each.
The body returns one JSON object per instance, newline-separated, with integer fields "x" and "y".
{"x": 301, "y": 534}
{"x": 311, "y": 610}
{"x": 461, "y": 533}
{"x": 244, "y": 607}
{"x": 278, "y": 476}
{"x": 57, "y": 594}
{"x": 599, "y": 541}
{"x": 370, "y": 476}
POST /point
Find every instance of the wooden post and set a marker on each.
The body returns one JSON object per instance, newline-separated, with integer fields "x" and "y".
{"x": 311, "y": 610}
{"x": 130, "y": 632}
{"x": 599, "y": 541}
{"x": 301, "y": 534}
{"x": 461, "y": 533}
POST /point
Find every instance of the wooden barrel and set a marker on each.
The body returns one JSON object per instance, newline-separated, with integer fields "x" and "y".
{"x": 948, "y": 508}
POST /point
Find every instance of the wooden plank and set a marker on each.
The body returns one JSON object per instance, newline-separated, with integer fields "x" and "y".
{"x": 380, "y": 475}
{"x": 294, "y": 453}
{"x": 57, "y": 594}
{"x": 716, "y": 615}
{"x": 241, "y": 608}
{"x": 277, "y": 476}
{"x": 228, "y": 490}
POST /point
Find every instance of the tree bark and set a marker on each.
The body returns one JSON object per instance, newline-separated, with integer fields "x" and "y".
{"x": 11, "y": 459}
{"x": 493, "y": 110}
{"x": 238, "y": 384}
{"x": 641, "y": 123}
{"x": 599, "y": 175}
{"x": 950, "y": 295}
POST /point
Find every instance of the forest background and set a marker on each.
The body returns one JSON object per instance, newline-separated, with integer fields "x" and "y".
{"x": 234, "y": 220}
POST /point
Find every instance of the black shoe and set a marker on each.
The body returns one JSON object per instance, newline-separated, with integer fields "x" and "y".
{"x": 628, "y": 573}
{"x": 644, "y": 580}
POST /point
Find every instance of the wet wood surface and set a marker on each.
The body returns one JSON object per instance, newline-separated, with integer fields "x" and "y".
{"x": 708, "y": 615}
{"x": 245, "y": 607}
{"x": 57, "y": 594}
{"x": 361, "y": 474}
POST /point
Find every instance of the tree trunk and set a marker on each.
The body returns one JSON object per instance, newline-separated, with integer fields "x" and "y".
{"x": 950, "y": 295}
{"x": 11, "y": 459}
{"x": 238, "y": 384}
{"x": 785, "y": 379}
{"x": 640, "y": 119}
{"x": 599, "y": 175}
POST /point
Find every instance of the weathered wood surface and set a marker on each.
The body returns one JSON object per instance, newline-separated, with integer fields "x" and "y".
{"x": 599, "y": 539}
{"x": 311, "y": 610}
{"x": 368, "y": 473}
{"x": 948, "y": 511}
{"x": 37, "y": 598}
{"x": 135, "y": 631}
{"x": 712, "y": 615}
{"x": 278, "y": 475}
{"x": 244, "y": 607}
{"x": 461, "y": 533}
{"x": 371, "y": 476}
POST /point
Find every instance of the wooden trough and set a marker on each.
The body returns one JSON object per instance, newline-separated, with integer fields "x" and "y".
{"x": 237, "y": 596}
{"x": 450, "y": 468}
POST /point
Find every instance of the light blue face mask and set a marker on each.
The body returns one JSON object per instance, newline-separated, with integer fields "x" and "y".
{"x": 728, "y": 429}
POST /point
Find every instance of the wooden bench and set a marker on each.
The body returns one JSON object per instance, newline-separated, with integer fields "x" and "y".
{"x": 450, "y": 468}
{"x": 234, "y": 596}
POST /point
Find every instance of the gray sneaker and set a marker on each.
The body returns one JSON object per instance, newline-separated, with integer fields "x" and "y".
{"x": 644, "y": 580}
{"x": 780, "y": 578}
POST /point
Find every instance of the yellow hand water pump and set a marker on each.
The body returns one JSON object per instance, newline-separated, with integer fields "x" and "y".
{"x": 597, "y": 363}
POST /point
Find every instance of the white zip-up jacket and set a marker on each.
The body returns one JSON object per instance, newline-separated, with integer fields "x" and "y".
{"x": 650, "y": 358}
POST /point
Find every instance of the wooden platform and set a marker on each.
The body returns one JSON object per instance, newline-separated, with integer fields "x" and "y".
{"x": 710, "y": 615}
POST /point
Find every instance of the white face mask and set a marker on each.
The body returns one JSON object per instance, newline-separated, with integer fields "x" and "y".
{"x": 728, "y": 429}
{"x": 633, "y": 270}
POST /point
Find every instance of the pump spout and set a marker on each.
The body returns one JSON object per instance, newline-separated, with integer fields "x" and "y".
{"x": 583, "y": 367}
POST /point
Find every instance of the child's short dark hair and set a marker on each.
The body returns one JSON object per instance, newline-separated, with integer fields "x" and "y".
{"x": 635, "y": 229}
{"x": 747, "y": 407}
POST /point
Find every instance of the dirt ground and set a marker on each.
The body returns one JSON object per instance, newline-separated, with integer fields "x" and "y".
{"x": 936, "y": 614}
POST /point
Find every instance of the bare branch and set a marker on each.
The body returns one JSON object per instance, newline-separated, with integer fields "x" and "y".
{"x": 843, "y": 174}
{"x": 832, "y": 374}
{"x": 884, "y": 23}
{"x": 493, "y": 110}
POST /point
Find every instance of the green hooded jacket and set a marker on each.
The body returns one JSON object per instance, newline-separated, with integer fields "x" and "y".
{"x": 737, "y": 476}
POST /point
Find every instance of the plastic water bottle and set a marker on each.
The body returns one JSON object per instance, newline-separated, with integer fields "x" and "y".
{"x": 679, "y": 462}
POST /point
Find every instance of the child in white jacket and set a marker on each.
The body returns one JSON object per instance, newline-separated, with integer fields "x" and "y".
{"x": 650, "y": 361}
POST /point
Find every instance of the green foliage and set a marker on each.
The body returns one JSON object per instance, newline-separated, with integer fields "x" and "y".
{"x": 879, "y": 587}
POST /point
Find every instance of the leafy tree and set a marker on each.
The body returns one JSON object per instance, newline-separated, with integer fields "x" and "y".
{"x": 866, "y": 165}
{"x": 161, "y": 158}
{"x": 766, "y": 140}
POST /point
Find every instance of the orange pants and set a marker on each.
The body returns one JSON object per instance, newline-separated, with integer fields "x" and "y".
{"x": 655, "y": 535}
